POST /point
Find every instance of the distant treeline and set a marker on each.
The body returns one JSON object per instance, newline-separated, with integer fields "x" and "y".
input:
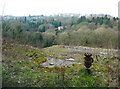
{"x": 46, "y": 31}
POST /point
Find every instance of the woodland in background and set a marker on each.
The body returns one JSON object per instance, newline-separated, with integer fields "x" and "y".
{"x": 42, "y": 31}
{"x": 25, "y": 48}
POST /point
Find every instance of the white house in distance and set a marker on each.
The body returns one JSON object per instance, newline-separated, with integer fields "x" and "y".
{"x": 60, "y": 27}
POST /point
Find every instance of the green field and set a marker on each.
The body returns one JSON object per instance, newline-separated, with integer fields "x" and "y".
{"x": 21, "y": 68}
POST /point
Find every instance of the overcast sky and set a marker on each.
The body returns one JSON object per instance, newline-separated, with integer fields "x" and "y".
{"x": 48, "y": 7}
